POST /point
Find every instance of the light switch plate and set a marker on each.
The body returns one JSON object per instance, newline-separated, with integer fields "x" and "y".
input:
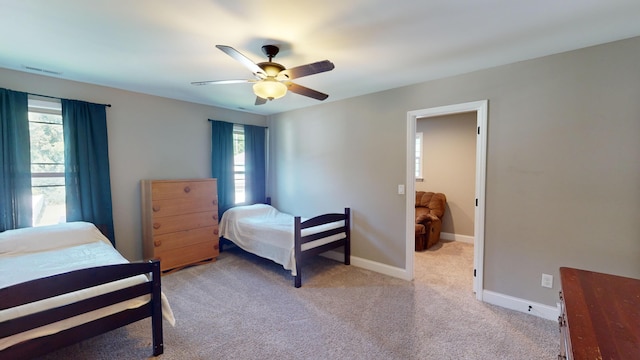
{"x": 400, "y": 189}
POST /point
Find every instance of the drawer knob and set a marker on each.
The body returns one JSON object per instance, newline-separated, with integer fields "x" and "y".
{"x": 215, "y": 202}
{"x": 157, "y": 242}
{"x": 156, "y": 208}
{"x": 187, "y": 189}
{"x": 215, "y": 216}
{"x": 215, "y": 231}
{"x": 156, "y": 226}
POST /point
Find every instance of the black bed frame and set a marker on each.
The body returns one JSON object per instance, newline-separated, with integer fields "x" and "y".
{"x": 300, "y": 225}
{"x": 55, "y": 285}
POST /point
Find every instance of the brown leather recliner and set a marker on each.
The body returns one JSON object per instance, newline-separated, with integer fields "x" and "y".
{"x": 430, "y": 208}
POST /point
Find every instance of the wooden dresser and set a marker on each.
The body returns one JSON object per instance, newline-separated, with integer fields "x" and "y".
{"x": 180, "y": 221}
{"x": 600, "y": 316}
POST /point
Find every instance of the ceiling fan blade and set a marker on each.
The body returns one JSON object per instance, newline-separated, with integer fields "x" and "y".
{"x": 221, "y": 82}
{"x": 260, "y": 101}
{"x": 299, "y": 89}
{"x": 306, "y": 70}
{"x": 255, "y": 69}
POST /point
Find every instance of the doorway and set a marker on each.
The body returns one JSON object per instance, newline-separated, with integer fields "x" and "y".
{"x": 480, "y": 108}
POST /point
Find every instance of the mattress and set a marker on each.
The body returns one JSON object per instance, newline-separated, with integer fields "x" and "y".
{"x": 32, "y": 253}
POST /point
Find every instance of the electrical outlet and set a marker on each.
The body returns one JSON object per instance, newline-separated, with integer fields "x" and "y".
{"x": 547, "y": 280}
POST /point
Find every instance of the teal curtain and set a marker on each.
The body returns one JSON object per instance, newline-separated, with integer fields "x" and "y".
{"x": 255, "y": 160}
{"x": 87, "y": 179}
{"x": 15, "y": 161}
{"x": 222, "y": 163}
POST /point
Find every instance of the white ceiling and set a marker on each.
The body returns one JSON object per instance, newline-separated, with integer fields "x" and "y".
{"x": 159, "y": 47}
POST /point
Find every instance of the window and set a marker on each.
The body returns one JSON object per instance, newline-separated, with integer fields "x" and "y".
{"x": 419, "y": 156}
{"x": 238, "y": 163}
{"x": 47, "y": 161}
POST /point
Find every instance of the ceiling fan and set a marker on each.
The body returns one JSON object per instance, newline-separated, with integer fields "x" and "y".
{"x": 272, "y": 80}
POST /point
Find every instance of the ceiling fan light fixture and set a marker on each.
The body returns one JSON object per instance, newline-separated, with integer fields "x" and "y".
{"x": 269, "y": 89}
{"x": 272, "y": 80}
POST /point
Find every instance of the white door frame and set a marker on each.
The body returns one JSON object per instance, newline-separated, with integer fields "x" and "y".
{"x": 481, "y": 110}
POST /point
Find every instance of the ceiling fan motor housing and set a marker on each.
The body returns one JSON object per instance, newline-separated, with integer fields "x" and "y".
{"x": 272, "y": 69}
{"x": 271, "y": 51}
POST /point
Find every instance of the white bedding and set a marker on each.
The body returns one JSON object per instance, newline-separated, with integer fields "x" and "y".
{"x": 31, "y": 253}
{"x": 263, "y": 230}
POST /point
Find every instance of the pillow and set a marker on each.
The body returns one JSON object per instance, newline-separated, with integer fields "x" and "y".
{"x": 50, "y": 237}
{"x": 239, "y": 212}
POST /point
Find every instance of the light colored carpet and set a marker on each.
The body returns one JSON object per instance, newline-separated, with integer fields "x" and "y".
{"x": 245, "y": 307}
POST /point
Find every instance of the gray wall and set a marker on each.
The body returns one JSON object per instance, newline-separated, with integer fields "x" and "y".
{"x": 449, "y": 167}
{"x": 345, "y": 153}
{"x": 149, "y": 138}
{"x": 563, "y": 165}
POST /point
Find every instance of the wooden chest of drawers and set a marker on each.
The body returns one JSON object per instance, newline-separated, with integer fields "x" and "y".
{"x": 180, "y": 221}
{"x": 600, "y": 316}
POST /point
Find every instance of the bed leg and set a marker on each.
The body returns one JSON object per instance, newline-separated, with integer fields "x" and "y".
{"x": 156, "y": 316}
{"x": 347, "y": 242}
{"x": 297, "y": 249}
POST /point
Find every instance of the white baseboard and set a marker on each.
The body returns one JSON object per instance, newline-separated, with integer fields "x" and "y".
{"x": 522, "y": 305}
{"x": 370, "y": 265}
{"x": 456, "y": 237}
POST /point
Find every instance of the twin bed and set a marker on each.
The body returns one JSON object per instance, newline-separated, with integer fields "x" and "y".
{"x": 64, "y": 283}
{"x": 287, "y": 240}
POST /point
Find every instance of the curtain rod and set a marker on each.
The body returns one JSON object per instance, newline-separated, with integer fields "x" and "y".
{"x": 53, "y": 97}
{"x": 210, "y": 120}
